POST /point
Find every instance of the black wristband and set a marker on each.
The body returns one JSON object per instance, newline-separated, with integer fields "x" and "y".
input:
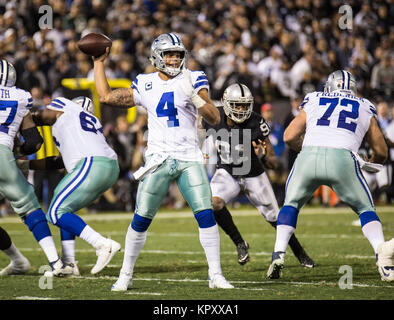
{"x": 54, "y": 163}
{"x": 33, "y": 140}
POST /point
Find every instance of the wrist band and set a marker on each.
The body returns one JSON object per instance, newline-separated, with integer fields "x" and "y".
{"x": 198, "y": 101}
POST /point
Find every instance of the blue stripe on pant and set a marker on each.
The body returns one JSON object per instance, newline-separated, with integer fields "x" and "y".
{"x": 69, "y": 189}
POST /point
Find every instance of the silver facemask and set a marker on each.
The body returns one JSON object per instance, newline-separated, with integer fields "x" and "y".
{"x": 234, "y": 95}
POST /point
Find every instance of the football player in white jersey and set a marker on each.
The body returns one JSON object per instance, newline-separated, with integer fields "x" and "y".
{"x": 328, "y": 132}
{"x": 173, "y": 98}
{"x": 15, "y": 117}
{"x": 240, "y": 130}
{"x": 20, "y": 264}
{"x": 92, "y": 168}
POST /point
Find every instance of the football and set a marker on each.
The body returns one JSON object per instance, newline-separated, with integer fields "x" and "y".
{"x": 94, "y": 44}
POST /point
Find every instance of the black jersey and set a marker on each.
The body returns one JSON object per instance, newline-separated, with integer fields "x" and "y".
{"x": 234, "y": 147}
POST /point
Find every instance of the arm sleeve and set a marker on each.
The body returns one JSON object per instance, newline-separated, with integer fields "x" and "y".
{"x": 305, "y": 104}
{"x": 264, "y": 128}
{"x": 199, "y": 80}
{"x": 136, "y": 91}
{"x": 33, "y": 140}
{"x": 25, "y": 102}
{"x": 29, "y": 101}
{"x": 372, "y": 110}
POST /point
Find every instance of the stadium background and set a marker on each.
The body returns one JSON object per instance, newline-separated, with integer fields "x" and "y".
{"x": 280, "y": 49}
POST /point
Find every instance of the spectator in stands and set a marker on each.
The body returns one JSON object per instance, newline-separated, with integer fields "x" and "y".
{"x": 384, "y": 115}
{"x": 281, "y": 78}
{"x": 270, "y": 63}
{"x": 60, "y": 70}
{"x": 382, "y": 78}
{"x": 301, "y": 67}
{"x": 33, "y": 76}
{"x": 277, "y": 176}
{"x": 295, "y": 103}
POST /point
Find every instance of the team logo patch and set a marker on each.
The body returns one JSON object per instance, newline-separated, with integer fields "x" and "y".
{"x": 148, "y": 86}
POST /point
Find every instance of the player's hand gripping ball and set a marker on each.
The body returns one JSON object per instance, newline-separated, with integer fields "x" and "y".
{"x": 94, "y": 44}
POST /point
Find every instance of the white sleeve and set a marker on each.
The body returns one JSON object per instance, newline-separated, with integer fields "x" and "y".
{"x": 136, "y": 92}
{"x": 372, "y": 109}
{"x": 25, "y": 99}
{"x": 306, "y": 102}
{"x": 25, "y": 102}
{"x": 199, "y": 80}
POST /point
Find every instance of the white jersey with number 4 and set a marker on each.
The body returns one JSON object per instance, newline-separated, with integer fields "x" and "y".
{"x": 14, "y": 106}
{"x": 172, "y": 117}
{"x": 336, "y": 120}
{"x": 78, "y": 134}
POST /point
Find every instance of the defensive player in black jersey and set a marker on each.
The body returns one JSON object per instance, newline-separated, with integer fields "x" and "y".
{"x": 239, "y": 140}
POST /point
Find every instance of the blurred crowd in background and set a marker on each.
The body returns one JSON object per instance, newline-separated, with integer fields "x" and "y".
{"x": 281, "y": 50}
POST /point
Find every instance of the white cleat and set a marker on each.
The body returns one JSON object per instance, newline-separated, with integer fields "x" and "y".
{"x": 276, "y": 266}
{"x": 123, "y": 283}
{"x": 385, "y": 261}
{"x": 105, "y": 253}
{"x": 16, "y": 267}
{"x": 218, "y": 281}
{"x": 386, "y": 273}
{"x": 59, "y": 269}
{"x": 74, "y": 266}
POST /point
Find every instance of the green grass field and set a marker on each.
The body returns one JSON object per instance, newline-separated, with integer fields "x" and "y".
{"x": 172, "y": 264}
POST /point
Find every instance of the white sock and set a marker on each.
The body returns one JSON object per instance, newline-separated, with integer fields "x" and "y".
{"x": 92, "y": 237}
{"x": 48, "y": 246}
{"x": 374, "y": 233}
{"x": 68, "y": 251}
{"x": 283, "y": 235}
{"x": 13, "y": 253}
{"x": 210, "y": 241}
{"x": 134, "y": 242}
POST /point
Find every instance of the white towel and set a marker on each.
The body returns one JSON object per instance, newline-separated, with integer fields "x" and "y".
{"x": 154, "y": 161}
{"x": 367, "y": 166}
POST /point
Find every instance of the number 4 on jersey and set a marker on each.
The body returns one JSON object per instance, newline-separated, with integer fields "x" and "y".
{"x": 167, "y": 99}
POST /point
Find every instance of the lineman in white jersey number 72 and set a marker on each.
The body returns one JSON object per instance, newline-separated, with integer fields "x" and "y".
{"x": 239, "y": 168}
{"x": 328, "y": 132}
{"x": 173, "y": 98}
{"x": 92, "y": 168}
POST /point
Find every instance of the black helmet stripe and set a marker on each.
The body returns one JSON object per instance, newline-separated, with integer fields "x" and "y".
{"x": 242, "y": 90}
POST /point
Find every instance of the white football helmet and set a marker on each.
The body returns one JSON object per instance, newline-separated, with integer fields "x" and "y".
{"x": 341, "y": 80}
{"x": 237, "y": 102}
{"x": 7, "y": 74}
{"x": 164, "y": 43}
{"x": 85, "y": 103}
